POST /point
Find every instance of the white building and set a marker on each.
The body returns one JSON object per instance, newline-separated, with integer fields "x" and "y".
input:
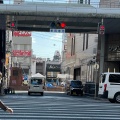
{"x": 79, "y": 57}
{"x": 22, "y": 50}
{"x": 33, "y": 65}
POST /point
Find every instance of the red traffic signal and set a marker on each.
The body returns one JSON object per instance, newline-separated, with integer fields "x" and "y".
{"x": 58, "y": 25}
{"x": 63, "y": 24}
{"x": 12, "y": 24}
{"x": 102, "y": 30}
{"x": 102, "y": 27}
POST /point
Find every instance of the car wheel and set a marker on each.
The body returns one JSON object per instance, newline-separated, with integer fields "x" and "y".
{"x": 41, "y": 93}
{"x": 117, "y": 98}
{"x": 28, "y": 93}
{"x": 81, "y": 93}
{"x": 112, "y": 100}
{"x": 71, "y": 92}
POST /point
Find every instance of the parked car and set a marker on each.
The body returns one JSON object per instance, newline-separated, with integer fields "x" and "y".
{"x": 109, "y": 86}
{"x": 74, "y": 87}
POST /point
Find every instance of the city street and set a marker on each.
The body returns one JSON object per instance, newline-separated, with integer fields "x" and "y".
{"x": 58, "y": 106}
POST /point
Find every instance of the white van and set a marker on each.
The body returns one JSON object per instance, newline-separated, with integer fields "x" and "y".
{"x": 36, "y": 84}
{"x": 109, "y": 86}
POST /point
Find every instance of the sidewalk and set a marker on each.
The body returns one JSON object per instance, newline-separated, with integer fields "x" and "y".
{"x": 96, "y": 98}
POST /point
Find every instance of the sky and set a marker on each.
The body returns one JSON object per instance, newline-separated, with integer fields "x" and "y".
{"x": 44, "y": 44}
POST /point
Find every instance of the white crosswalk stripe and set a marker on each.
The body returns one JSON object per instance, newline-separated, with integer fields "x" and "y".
{"x": 59, "y": 108}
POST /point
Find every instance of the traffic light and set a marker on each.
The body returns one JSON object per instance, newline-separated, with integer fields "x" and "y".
{"x": 102, "y": 29}
{"x": 11, "y": 24}
{"x": 58, "y": 25}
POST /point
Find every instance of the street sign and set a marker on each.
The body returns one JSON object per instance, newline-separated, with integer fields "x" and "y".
{"x": 57, "y": 30}
{"x": 96, "y": 66}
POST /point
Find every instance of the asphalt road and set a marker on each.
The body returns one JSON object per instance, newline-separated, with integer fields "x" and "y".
{"x": 58, "y": 106}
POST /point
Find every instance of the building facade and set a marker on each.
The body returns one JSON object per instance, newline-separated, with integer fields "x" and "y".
{"x": 53, "y": 68}
{"x": 109, "y": 4}
{"x": 80, "y": 56}
{"x": 41, "y": 65}
{"x": 21, "y": 55}
{"x": 33, "y": 64}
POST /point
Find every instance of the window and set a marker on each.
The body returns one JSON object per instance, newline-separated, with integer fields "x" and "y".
{"x": 94, "y": 50}
{"x": 103, "y": 78}
{"x": 114, "y": 78}
{"x": 36, "y": 81}
{"x": 87, "y": 35}
{"x": 76, "y": 83}
{"x": 83, "y": 41}
{"x": 72, "y": 47}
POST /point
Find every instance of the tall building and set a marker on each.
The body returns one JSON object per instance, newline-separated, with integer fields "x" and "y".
{"x": 22, "y": 50}
{"x": 79, "y": 56}
{"x": 40, "y": 65}
{"x": 109, "y": 3}
{"x": 53, "y": 68}
{"x": 33, "y": 65}
{"x": 19, "y": 1}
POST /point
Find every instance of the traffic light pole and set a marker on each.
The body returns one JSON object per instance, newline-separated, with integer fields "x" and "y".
{"x": 102, "y": 51}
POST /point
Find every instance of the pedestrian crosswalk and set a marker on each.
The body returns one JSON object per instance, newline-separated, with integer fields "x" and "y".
{"x": 59, "y": 108}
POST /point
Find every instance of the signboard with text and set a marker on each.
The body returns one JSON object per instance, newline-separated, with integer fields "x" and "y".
{"x": 21, "y": 53}
{"x": 21, "y": 33}
{"x": 57, "y": 30}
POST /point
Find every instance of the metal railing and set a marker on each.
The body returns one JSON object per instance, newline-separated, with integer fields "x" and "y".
{"x": 94, "y": 4}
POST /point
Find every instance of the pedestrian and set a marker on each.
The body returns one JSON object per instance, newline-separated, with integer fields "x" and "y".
{"x": 5, "y": 108}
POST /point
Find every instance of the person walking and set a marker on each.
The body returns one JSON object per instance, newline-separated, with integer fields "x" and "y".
{"x": 5, "y": 108}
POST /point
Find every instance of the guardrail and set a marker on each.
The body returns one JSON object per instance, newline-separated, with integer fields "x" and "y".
{"x": 95, "y": 4}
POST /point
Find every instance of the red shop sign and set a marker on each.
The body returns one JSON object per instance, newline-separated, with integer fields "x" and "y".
{"x": 21, "y": 33}
{"x": 20, "y": 53}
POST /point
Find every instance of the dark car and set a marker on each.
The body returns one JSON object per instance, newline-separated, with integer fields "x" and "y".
{"x": 74, "y": 87}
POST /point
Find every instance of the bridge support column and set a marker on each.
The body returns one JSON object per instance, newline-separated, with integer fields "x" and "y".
{"x": 2, "y": 56}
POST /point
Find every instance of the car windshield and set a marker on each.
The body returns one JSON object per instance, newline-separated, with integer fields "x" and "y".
{"x": 76, "y": 83}
{"x": 36, "y": 81}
